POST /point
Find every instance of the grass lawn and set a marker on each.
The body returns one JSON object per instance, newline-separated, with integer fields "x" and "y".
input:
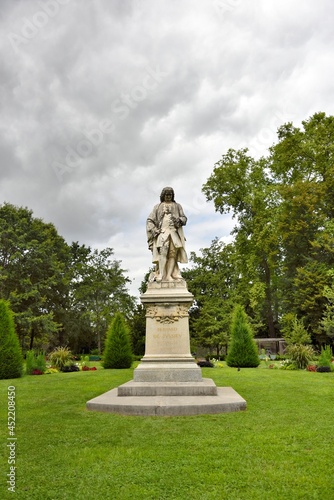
{"x": 281, "y": 447}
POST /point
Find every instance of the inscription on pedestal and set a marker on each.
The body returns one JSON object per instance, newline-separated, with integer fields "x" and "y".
{"x": 167, "y": 334}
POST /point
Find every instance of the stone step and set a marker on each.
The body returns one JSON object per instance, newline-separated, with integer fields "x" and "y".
{"x": 206, "y": 387}
{"x": 227, "y": 400}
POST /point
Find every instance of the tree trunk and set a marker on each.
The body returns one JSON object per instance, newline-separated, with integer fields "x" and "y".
{"x": 269, "y": 305}
{"x": 32, "y": 336}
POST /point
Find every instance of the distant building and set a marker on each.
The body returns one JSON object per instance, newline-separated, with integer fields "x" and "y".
{"x": 275, "y": 346}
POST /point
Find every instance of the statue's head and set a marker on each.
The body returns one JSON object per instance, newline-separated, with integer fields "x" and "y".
{"x": 166, "y": 190}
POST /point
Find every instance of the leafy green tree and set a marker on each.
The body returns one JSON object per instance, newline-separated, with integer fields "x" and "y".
{"x": 11, "y": 361}
{"x": 243, "y": 186}
{"x": 242, "y": 351}
{"x": 117, "y": 352}
{"x": 296, "y": 333}
{"x": 302, "y": 166}
{"x": 137, "y": 324}
{"x": 213, "y": 280}
{"x": 327, "y": 322}
{"x": 59, "y": 294}
{"x": 284, "y": 236}
{"x": 298, "y": 339}
{"x": 33, "y": 260}
{"x": 99, "y": 290}
{"x": 211, "y": 328}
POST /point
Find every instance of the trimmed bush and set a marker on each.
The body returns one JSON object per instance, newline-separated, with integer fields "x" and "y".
{"x": 117, "y": 352}
{"x": 11, "y": 359}
{"x": 205, "y": 364}
{"x": 242, "y": 351}
{"x": 323, "y": 369}
{"x": 70, "y": 368}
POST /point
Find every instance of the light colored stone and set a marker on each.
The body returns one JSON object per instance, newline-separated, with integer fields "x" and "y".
{"x": 151, "y": 370}
{"x": 204, "y": 388}
{"x": 227, "y": 400}
{"x": 167, "y": 349}
{"x": 167, "y": 382}
{"x": 165, "y": 238}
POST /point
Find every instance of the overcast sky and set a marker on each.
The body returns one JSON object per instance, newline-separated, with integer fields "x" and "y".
{"x": 105, "y": 102}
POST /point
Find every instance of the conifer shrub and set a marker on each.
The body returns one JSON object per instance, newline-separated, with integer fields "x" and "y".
{"x": 298, "y": 340}
{"x": 117, "y": 352}
{"x": 35, "y": 361}
{"x": 11, "y": 359}
{"x": 325, "y": 359}
{"x": 242, "y": 351}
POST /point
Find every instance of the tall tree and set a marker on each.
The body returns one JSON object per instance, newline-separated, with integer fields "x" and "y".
{"x": 213, "y": 280}
{"x": 32, "y": 272}
{"x": 284, "y": 207}
{"x": 243, "y": 186}
{"x": 99, "y": 289}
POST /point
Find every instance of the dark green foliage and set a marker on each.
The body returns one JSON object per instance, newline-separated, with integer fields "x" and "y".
{"x": 137, "y": 326}
{"x": 211, "y": 280}
{"x": 117, "y": 352}
{"x": 100, "y": 289}
{"x": 323, "y": 369}
{"x": 11, "y": 361}
{"x": 33, "y": 262}
{"x": 70, "y": 368}
{"x": 325, "y": 357}
{"x": 242, "y": 352}
{"x": 59, "y": 294}
{"x": 283, "y": 239}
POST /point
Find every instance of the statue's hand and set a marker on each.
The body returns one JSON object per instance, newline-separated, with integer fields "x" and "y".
{"x": 177, "y": 222}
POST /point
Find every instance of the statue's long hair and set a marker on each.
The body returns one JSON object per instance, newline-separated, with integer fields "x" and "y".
{"x": 162, "y": 196}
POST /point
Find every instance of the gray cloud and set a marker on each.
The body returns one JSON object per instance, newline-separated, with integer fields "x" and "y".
{"x": 105, "y": 103}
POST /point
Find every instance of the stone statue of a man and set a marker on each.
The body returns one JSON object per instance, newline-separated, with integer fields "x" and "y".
{"x": 165, "y": 237}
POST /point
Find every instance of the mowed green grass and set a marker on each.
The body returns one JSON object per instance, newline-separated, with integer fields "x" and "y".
{"x": 281, "y": 447}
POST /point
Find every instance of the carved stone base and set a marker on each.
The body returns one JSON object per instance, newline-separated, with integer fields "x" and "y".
{"x": 227, "y": 400}
{"x": 168, "y": 381}
{"x": 167, "y": 350}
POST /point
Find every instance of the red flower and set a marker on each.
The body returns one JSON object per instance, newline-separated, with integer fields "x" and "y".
{"x": 311, "y": 368}
{"x": 36, "y": 371}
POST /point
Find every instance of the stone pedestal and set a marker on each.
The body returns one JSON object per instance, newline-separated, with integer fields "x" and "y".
{"x": 167, "y": 349}
{"x": 168, "y": 381}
